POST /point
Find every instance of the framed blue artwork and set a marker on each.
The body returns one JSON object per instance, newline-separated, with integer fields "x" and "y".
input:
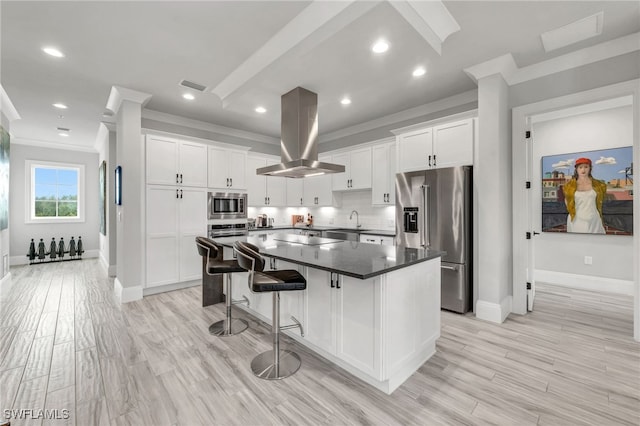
{"x": 589, "y": 192}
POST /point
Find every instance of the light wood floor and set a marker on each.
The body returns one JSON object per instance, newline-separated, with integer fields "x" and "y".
{"x": 65, "y": 344}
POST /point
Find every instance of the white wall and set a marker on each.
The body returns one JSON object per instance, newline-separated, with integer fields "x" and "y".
{"x": 21, "y": 232}
{"x": 4, "y": 234}
{"x": 557, "y": 254}
{"x": 106, "y": 147}
{"x": 371, "y": 217}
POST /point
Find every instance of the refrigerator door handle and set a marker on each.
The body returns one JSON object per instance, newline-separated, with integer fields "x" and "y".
{"x": 450, "y": 268}
{"x": 426, "y": 194}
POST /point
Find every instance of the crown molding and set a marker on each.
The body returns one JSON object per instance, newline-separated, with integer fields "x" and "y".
{"x": 6, "y": 106}
{"x": 119, "y": 94}
{"x": 506, "y": 66}
{"x": 407, "y": 114}
{"x": 53, "y": 145}
{"x": 201, "y": 125}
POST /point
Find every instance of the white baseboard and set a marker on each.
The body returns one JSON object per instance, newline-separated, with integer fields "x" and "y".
{"x": 24, "y": 260}
{"x": 585, "y": 282}
{"x": 170, "y": 287}
{"x": 126, "y": 294}
{"x": 494, "y": 312}
{"x": 109, "y": 269}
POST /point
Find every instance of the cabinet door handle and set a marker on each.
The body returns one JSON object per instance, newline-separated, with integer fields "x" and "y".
{"x": 177, "y": 194}
{"x": 338, "y": 281}
{"x": 429, "y": 160}
{"x": 332, "y": 283}
{"x": 265, "y": 200}
{"x": 177, "y": 181}
{"x": 268, "y": 200}
{"x": 180, "y": 177}
{"x": 434, "y": 160}
{"x": 181, "y": 194}
{"x": 300, "y": 200}
{"x": 230, "y": 181}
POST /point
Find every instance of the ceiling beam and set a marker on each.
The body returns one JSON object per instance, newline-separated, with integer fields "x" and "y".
{"x": 431, "y": 19}
{"x": 317, "y": 22}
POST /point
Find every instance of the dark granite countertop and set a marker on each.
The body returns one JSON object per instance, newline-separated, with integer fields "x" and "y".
{"x": 351, "y": 258}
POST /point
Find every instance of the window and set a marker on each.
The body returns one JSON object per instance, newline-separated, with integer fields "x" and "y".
{"x": 56, "y": 192}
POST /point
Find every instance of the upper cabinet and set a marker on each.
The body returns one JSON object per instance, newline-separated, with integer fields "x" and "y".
{"x": 357, "y": 173}
{"x": 384, "y": 174}
{"x": 295, "y": 192}
{"x": 317, "y": 189}
{"x": 444, "y": 145}
{"x": 175, "y": 162}
{"x": 264, "y": 190}
{"x": 227, "y": 168}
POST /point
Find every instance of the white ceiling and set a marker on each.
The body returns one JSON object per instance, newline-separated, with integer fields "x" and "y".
{"x": 250, "y": 53}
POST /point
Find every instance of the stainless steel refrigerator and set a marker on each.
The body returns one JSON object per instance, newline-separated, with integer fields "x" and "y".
{"x": 434, "y": 209}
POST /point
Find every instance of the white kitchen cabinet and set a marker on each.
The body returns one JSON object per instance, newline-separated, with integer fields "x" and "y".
{"x": 175, "y": 162}
{"x": 174, "y": 217}
{"x": 295, "y": 194}
{"x": 227, "y": 169}
{"x": 377, "y": 239}
{"x": 317, "y": 189}
{"x": 357, "y": 173}
{"x": 453, "y": 143}
{"x": 343, "y": 318}
{"x": 320, "y": 321}
{"x": 444, "y": 145}
{"x": 383, "y": 191}
{"x": 264, "y": 190}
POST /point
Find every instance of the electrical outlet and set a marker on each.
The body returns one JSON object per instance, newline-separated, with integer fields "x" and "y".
{"x": 588, "y": 260}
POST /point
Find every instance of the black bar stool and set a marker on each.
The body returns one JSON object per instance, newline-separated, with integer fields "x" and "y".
{"x": 215, "y": 265}
{"x": 274, "y": 364}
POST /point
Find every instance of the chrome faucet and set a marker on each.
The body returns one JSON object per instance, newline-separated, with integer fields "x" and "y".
{"x": 357, "y": 217}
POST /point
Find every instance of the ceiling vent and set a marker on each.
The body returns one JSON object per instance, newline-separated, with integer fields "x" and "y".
{"x": 192, "y": 85}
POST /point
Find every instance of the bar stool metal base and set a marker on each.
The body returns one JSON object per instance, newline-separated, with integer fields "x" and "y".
{"x": 264, "y": 366}
{"x": 224, "y": 328}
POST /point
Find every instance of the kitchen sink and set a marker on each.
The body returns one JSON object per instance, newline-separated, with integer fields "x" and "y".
{"x": 342, "y": 234}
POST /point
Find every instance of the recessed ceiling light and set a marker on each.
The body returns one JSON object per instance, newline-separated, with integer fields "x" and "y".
{"x": 345, "y": 101}
{"x": 380, "y": 46}
{"x": 261, "y": 110}
{"x": 419, "y": 72}
{"x": 53, "y": 52}
{"x": 64, "y": 134}
{"x": 61, "y": 116}
{"x": 59, "y": 105}
{"x": 188, "y": 96}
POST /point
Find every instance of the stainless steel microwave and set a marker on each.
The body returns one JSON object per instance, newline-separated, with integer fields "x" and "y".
{"x": 227, "y": 205}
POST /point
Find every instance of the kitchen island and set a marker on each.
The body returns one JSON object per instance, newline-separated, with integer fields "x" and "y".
{"x": 373, "y": 310}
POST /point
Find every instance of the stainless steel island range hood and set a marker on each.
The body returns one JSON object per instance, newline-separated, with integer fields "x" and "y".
{"x": 299, "y": 138}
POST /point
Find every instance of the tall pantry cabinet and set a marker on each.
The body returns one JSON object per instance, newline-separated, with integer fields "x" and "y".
{"x": 176, "y": 199}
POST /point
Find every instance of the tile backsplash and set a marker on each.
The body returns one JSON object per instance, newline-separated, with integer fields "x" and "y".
{"x": 371, "y": 217}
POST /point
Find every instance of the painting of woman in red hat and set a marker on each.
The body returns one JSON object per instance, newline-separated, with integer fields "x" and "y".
{"x": 583, "y": 197}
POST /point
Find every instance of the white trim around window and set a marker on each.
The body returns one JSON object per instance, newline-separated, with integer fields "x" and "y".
{"x": 30, "y": 191}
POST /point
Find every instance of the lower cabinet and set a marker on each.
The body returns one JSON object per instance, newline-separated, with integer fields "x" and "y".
{"x": 381, "y": 329}
{"x": 174, "y": 217}
{"x": 343, "y": 318}
{"x": 377, "y": 239}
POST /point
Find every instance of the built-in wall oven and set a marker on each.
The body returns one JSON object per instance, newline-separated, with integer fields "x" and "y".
{"x": 226, "y": 205}
{"x": 217, "y": 230}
